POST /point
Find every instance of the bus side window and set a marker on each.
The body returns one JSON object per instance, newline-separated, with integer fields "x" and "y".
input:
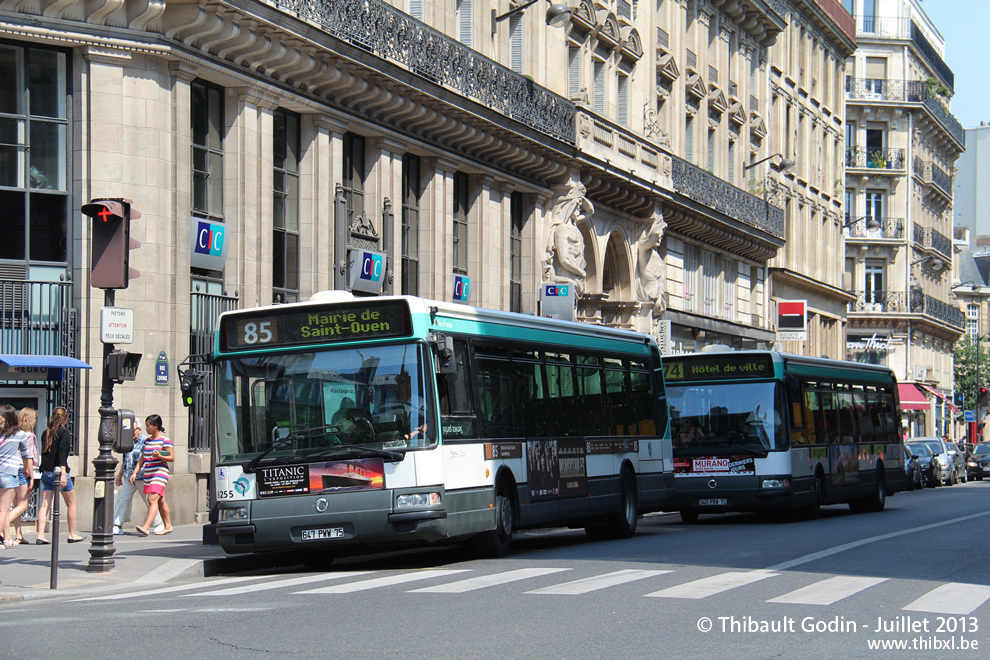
{"x": 456, "y": 398}
{"x": 590, "y": 398}
{"x": 847, "y": 417}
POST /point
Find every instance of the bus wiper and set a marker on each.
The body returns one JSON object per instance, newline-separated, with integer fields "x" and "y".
{"x": 393, "y": 456}
{"x": 253, "y": 463}
{"x": 759, "y": 453}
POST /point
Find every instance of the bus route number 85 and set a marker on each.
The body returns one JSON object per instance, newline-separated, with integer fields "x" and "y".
{"x": 257, "y": 333}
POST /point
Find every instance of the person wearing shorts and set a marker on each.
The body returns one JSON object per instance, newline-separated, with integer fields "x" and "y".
{"x": 153, "y": 466}
{"x": 15, "y": 462}
{"x": 55, "y": 445}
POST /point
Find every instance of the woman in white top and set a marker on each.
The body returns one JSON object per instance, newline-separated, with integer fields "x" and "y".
{"x": 14, "y": 454}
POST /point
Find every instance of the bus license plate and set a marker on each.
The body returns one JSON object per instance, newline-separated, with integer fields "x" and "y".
{"x": 325, "y": 533}
{"x": 714, "y": 501}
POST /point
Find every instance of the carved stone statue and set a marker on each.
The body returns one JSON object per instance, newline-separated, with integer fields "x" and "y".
{"x": 651, "y": 266}
{"x": 564, "y": 259}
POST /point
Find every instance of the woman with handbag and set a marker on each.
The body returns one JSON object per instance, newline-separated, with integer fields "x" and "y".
{"x": 154, "y": 466}
{"x": 55, "y": 446}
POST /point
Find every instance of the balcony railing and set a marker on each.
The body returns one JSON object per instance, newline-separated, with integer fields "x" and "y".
{"x": 889, "y": 228}
{"x": 901, "y": 302}
{"x": 906, "y": 91}
{"x": 699, "y": 185}
{"x": 379, "y": 28}
{"x": 939, "y": 242}
{"x": 881, "y": 159}
{"x": 931, "y": 173}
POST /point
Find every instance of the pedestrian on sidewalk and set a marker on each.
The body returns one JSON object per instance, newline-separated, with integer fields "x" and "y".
{"x": 26, "y": 420}
{"x": 55, "y": 446}
{"x": 15, "y": 462}
{"x": 153, "y": 466}
{"x": 127, "y": 489}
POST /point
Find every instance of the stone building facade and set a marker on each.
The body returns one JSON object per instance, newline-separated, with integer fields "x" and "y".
{"x": 265, "y": 144}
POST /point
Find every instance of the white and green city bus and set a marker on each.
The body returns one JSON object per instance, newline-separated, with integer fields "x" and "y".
{"x": 762, "y": 430}
{"x": 348, "y": 423}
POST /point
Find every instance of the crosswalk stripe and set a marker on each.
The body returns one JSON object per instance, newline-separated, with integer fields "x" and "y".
{"x": 278, "y": 584}
{"x": 952, "y": 598}
{"x": 828, "y": 591}
{"x": 386, "y": 581}
{"x": 597, "y": 582}
{"x": 181, "y": 587}
{"x": 710, "y": 586}
{"x": 483, "y": 581}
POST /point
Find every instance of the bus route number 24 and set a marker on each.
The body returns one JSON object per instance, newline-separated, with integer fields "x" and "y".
{"x": 258, "y": 333}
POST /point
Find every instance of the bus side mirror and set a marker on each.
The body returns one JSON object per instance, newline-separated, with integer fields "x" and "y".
{"x": 443, "y": 348}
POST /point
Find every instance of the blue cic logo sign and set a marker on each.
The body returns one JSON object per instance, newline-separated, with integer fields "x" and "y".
{"x": 209, "y": 244}
{"x": 555, "y": 290}
{"x": 462, "y": 288}
{"x": 210, "y": 239}
{"x": 372, "y": 267}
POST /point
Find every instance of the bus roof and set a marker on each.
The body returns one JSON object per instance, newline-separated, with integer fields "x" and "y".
{"x": 804, "y": 365}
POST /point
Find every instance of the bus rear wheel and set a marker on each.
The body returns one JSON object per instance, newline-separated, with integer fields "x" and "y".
{"x": 622, "y": 524}
{"x": 879, "y": 499}
{"x": 814, "y": 510}
{"x": 495, "y": 543}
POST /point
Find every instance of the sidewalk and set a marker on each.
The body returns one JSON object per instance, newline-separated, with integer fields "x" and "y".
{"x": 25, "y": 570}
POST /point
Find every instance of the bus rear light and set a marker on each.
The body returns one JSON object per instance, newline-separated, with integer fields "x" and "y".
{"x": 775, "y": 483}
{"x": 418, "y": 499}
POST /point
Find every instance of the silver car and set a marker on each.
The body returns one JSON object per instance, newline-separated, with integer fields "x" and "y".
{"x": 951, "y": 460}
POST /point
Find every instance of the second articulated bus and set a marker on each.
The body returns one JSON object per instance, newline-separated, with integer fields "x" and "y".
{"x": 761, "y": 430}
{"x": 375, "y": 422}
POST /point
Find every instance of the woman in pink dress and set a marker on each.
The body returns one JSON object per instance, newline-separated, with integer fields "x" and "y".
{"x": 155, "y": 462}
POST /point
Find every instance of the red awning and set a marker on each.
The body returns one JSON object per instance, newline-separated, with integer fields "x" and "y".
{"x": 912, "y": 398}
{"x": 941, "y": 397}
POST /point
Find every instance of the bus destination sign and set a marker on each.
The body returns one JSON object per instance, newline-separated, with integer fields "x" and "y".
{"x": 717, "y": 366}
{"x": 290, "y": 325}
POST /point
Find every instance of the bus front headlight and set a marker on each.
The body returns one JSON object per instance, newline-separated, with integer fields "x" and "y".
{"x": 417, "y": 499}
{"x": 237, "y": 513}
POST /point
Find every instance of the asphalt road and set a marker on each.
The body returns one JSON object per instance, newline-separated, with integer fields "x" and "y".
{"x": 744, "y": 586}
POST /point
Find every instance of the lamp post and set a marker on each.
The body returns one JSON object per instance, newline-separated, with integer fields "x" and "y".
{"x": 557, "y": 14}
{"x": 782, "y": 165}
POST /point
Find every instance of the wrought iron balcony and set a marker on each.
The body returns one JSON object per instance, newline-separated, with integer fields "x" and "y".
{"x": 36, "y": 318}
{"x": 699, "y": 185}
{"x": 907, "y": 91}
{"x": 939, "y": 242}
{"x": 379, "y": 28}
{"x": 930, "y": 173}
{"x": 889, "y": 228}
{"x": 901, "y": 302}
{"x": 881, "y": 159}
{"x": 890, "y": 27}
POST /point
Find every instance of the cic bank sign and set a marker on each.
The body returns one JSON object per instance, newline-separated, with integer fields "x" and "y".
{"x": 209, "y": 244}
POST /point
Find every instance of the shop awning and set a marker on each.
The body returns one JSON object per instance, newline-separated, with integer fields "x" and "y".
{"x": 941, "y": 397}
{"x": 43, "y": 362}
{"x": 37, "y": 368}
{"x": 912, "y": 398}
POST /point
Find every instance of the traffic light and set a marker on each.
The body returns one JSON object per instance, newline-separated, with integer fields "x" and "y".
{"x": 122, "y": 366}
{"x": 112, "y": 242}
{"x": 186, "y": 386}
{"x": 981, "y": 399}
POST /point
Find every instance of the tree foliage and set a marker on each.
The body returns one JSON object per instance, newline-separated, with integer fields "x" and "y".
{"x": 971, "y": 363}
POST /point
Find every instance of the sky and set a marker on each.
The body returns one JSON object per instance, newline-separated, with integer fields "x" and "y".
{"x": 963, "y": 25}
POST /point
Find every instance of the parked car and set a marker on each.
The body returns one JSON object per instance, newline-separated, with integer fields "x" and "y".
{"x": 961, "y": 456}
{"x": 913, "y": 478}
{"x": 946, "y": 454}
{"x": 931, "y": 469}
{"x": 978, "y": 463}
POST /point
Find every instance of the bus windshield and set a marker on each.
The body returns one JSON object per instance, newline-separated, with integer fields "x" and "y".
{"x": 714, "y": 418}
{"x": 324, "y": 404}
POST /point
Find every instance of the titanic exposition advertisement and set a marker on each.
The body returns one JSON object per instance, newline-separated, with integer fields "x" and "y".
{"x": 335, "y": 476}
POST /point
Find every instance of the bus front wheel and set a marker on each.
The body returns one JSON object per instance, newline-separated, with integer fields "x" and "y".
{"x": 495, "y": 543}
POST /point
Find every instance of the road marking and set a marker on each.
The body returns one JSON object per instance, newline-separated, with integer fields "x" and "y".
{"x": 278, "y": 584}
{"x": 828, "y": 591}
{"x": 168, "y": 590}
{"x": 710, "y": 586}
{"x": 386, "y": 581}
{"x": 483, "y": 581}
{"x": 952, "y": 598}
{"x": 855, "y": 544}
{"x": 586, "y": 585}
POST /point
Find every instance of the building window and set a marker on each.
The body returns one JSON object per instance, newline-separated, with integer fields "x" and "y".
{"x": 874, "y": 205}
{"x": 873, "y": 287}
{"x": 465, "y": 23}
{"x": 622, "y": 101}
{"x": 33, "y": 154}
{"x": 460, "y": 222}
{"x": 599, "y": 100}
{"x": 573, "y": 71}
{"x": 415, "y": 9}
{"x": 207, "y": 149}
{"x": 285, "y": 206}
{"x": 516, "y": 43}
{"x": 689, "y": 139}
{"x": 973, "y": 321}
{"x": 515, "y": 251}
{"x": 711, "y": 151}
{"x": 410, "y": 225}
{"x": 353, "y": 184}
